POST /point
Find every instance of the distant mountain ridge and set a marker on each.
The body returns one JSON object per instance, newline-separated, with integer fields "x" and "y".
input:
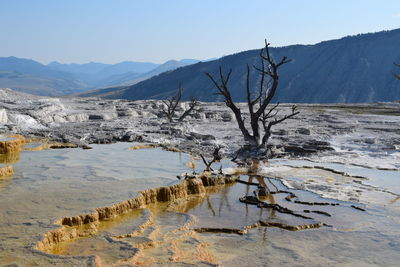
{"x": 29, "y": 76}
{"x": 351, "y": 69}
{"x": 95, "y": 67}
{"x": 129, "y": 79}
{"x": 133, "y": 78}
{"x": 56, "y": 79}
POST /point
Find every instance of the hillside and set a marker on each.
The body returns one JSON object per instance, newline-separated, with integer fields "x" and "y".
{"x": 128, "y": 79}
{"x": 352, "y": 69}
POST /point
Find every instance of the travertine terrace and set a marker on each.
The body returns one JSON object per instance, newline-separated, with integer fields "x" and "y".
{"x": 351, "y": 133}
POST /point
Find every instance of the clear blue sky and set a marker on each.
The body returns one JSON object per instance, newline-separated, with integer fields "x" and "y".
{"x": 111, "y": 31}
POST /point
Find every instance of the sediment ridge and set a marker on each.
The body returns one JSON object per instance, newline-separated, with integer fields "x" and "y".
{"x": 87, "y": 224}
{"x": 155, "y": 145}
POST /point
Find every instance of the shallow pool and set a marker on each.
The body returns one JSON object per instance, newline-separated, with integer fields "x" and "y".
{"x": 52, "y": 184}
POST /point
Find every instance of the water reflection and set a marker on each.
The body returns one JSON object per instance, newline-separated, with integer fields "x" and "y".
{"x": 10, "y": 157}
{"x": 262, "y": 192}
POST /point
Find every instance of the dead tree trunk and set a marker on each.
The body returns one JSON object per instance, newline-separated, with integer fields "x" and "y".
{"x": 258, "y": 105}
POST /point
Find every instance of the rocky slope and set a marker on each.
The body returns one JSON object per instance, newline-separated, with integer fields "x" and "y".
{"x": 352, "y": 69}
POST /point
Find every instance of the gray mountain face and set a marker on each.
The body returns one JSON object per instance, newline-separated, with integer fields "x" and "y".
{"x": 352, "y": 69}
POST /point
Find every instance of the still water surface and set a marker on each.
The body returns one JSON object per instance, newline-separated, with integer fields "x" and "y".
{"x": 51, "y": 184}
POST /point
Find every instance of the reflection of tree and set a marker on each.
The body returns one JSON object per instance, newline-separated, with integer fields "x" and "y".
{"x": 250, "y": 180}
{"x": 262, "y": 187}
{"x": 223, "y": 201}
{"x": 265, "y": 235}
{"x": 269, "y": 180}
{"x": 261, "y": 181}
{"x": 209, "y": 205}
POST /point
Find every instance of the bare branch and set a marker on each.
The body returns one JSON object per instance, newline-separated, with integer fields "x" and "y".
{"x": 193, "y": 103}
{"x": 216, "y": 158}
{"x": 262, "y": 80}
{"x": 267, "y": 115}
{"x": 283, "y": 61}
{"x": 284, "y": 118}
{"x": 267, "y": 127}
{"x": 224, "y": 90}
{"x": 273, "y": 73}
{"x": 248, "y": 93}
{"x": 264, "y": 71}
{"x": 178, "y": 98}
{"x": 213, "y": 80}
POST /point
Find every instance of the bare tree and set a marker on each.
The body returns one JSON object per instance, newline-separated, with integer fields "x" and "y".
{"x": 258, "y": 105}
{"x": 172, "y": 104}
{"x": 396, "y": 74}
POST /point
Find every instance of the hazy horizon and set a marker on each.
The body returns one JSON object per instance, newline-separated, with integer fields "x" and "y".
{"x": 156, "y": 31}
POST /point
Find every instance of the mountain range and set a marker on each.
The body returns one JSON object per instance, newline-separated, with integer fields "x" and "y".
{"x": 56, "y": 79}
{"x": 351, "y": 69}
{"x": 347, "y": 70}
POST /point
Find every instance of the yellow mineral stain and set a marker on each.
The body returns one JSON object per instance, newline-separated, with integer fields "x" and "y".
{"x": 12, "y": 144}
{"x": 43, "y": 144}
{"x": 147, "y": 146}
{"x": 191, "y": 164}
{"x": 144, "y": 146}
{"x": 203, "y": 253}
{"x": 6, "y": 171}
